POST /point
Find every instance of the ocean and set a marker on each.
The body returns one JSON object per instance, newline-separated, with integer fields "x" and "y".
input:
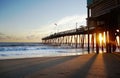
{"x": 30, "y": 50}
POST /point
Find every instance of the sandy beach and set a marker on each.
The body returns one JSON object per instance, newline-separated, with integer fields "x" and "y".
{"x": 106, "y": 65}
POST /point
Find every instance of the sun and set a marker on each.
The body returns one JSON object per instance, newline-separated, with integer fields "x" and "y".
{"x": 100, "y": 38}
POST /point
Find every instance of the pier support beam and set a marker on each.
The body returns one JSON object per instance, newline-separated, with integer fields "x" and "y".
{"x": 107, "y": 41}
{"x": 119, "y": 40}
{"x": 92, "y": 40}
{"x": 76, "y": 40}
{"x": 88, "y": 41}
{"x": 82, "y": 41}
{"x": 88, "y": 32}
{"x": 97, "y": 42}
{"x": 79, "y": 40}
{"x": 112, "y": 43}
{"x": 102, "y": 43}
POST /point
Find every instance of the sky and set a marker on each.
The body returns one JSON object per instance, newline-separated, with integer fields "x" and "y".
{"x": 31, "y": 20}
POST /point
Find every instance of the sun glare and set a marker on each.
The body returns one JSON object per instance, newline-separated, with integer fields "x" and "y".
{"x": 100, "y": 38}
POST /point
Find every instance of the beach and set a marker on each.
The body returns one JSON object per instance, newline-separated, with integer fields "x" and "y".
{"x": 104, "y": 65}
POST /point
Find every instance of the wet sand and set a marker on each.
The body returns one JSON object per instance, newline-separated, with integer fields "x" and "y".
{"x": 106, "y": 65}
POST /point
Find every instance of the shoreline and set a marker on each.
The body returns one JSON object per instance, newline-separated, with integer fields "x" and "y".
{"x": 39, "y": 57}
{"x": 54, "y": 54}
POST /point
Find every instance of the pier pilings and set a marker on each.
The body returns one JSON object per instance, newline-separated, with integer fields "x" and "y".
{"x": 99, "y": 40}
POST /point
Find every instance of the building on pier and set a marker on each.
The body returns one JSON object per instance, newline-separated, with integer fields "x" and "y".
{"x": 104, "y": 15}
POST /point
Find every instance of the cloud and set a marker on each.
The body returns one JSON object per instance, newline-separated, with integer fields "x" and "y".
{"x": 1, "y": 38}
{"x": 65, "y": 23}
{"x": 69, "y": 22}
{"x": 71, "y": 19}
{"x": 6, "y": 37}
{"x": 30, "y": 36}
{"x": 33, "y": 37}
{"x": 1, "y": 34}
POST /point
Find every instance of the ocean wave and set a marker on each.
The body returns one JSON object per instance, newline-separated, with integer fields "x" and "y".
{"x": 25, "y": 48}
{"x": 9, "y": 44}
{"x": 13, "y": 48}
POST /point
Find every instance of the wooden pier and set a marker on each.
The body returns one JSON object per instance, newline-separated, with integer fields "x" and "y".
{"x": 78, "y": 38}
{"x": 102, "y": 30}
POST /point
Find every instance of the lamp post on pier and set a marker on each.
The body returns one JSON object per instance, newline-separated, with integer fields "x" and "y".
{"x": 76, "y": 37}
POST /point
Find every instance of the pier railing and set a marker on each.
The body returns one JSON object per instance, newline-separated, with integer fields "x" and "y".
{"x": 78, "y": 31}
